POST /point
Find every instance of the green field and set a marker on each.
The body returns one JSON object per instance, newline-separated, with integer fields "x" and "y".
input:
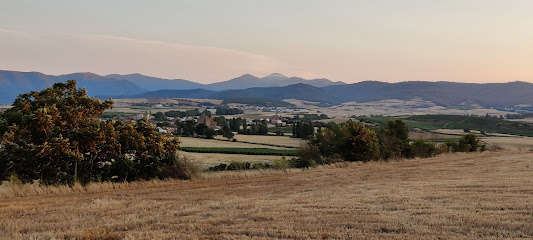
{"x": 246, "y": 151}
{"x": 486, "y": 124}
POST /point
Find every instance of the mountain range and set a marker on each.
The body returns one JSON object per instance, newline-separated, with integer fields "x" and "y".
{"x": 14, "y": 83}
{"x": 274, "y": 86}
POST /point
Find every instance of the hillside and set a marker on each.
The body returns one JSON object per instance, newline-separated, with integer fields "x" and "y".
{"x": 117, "y": 85}
{"x": 14, "y": 83}
{"x": 458, "y": 196}
{"x": 153, "y": 83}
{"x": 442, "y": 93}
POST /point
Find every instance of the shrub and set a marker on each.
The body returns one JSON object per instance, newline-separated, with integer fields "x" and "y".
{"x": 467, "y": 143}
{"x": 308, "y": 156}
{"x": 239, "y": 166}
{"x": 261, "y": 166}
{"x": 422, "y": 149}
{"x": 302, "y": 163}
{"x": 219, "y": 167}
{"x": 352, "y": 140}
{"x": 280, "y": 164}
{"x": 183, "y": 168}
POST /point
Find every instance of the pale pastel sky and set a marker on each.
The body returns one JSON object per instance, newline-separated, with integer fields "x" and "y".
{"x": 209, "y": 41}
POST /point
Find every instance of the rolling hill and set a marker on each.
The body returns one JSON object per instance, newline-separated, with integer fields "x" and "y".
{"x": 154, "y": 83}
{"x": 14, "y": 83}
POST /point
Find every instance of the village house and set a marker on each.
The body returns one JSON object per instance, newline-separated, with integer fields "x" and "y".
{"x": 208, "y": 121}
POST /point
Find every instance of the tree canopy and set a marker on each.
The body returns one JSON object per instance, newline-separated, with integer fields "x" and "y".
{"x": 55, "y": 136}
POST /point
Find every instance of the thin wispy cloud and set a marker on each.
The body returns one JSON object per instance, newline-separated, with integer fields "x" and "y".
{"x": 103, "y": 54}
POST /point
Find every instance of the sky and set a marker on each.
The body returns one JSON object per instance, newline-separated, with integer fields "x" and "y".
{"x": 211, "y": 41}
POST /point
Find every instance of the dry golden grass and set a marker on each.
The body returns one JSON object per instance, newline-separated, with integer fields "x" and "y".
{"x": 460, "y": 196}
{"x": 276, "y": 140}
{"x": 514, "y": 143}
{"x": 202, "y": 142}
{"x": 210, "y": 159}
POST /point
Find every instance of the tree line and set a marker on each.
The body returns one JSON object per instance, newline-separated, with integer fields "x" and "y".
{"x": 354, "y": 141}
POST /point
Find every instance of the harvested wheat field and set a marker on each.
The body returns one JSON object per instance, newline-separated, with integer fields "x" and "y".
{"x": 206, "y": 160}
{"x": 202, "y": 142}
{"x": 460, "y": 196}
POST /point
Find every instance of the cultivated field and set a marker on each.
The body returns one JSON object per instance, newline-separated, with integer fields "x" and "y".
{"x": 460, "y": 196}
{"x": 390, "y": 107}
{"x": 206, "y": 160}
{"x": 202, "y": 142}
{"x": 515, "y": 143}
{"x": 276, "y": 140}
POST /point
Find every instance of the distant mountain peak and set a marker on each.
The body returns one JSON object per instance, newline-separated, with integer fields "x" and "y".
{"x": 247, "y": 75}
{"x": 277, "y": 75}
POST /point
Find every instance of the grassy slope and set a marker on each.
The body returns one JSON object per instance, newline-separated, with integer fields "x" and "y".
{"x": 452, "y": 197}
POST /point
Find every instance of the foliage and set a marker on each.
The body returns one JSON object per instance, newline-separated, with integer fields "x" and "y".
{"x": 228, "y": 111}
{"x": 220, "y": 120}
{"x": 200, "y": 128}
{"x": 310, "y": 117}
{"x": 210, "y": 133}
{"x": 257, "y": 128}
{"x": 186, "y": 128}
{"x": 352, "y": 140}
{"x": 309, "y": 156}
{"x": 226, "y": 132}
{"x": 422, "y": 149}
{"x": 240, "y": 166}
{"x": 468, "y": 143}
{"x": 394, "y": 139}
{"x": 187, "y": 113}
{"x": 303, "y": 130}
{"x": 55, "y": 136}
{"x": 159, "y": 116}
{"x": 280, "y": 164}
{"x": 432, "y": 122}
{"x": 235, "y": 124}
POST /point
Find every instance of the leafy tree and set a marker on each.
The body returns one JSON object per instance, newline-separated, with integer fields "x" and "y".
{"x": 394, "y": 140}
{"x": 200, "y": 128}
{"x": 422, "y": 149}
{"x": 187, "y": 113}
{"x": 303, "y": 130}
{"x": 244, "y": 126}
{"x": 228, "y": 111}
{"x": 163, "y": 124}
{"x": 210, "y": 133}
{"x": 220, "y": 120}
{"x": 207, "y": 113}
{"x": 226, "y": 132}
{"x": 353, "y": 141}
{"x": 55, "y": 136}
{"x": 159, "y": 116}
{"x": 235, "y": 124}
{"x": 186, "y": 128}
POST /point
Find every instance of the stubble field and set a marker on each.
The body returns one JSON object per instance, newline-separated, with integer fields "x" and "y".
{"x": 459, "y": 196}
